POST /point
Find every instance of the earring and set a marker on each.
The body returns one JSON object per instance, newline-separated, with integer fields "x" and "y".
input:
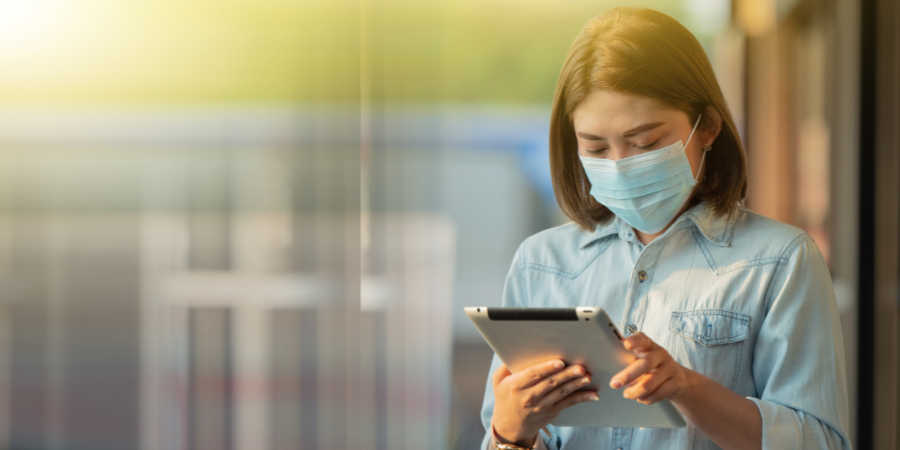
{"x": 707, "y": 148}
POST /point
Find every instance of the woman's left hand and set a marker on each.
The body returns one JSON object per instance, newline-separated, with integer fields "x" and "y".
{"x": 653, "y": 376}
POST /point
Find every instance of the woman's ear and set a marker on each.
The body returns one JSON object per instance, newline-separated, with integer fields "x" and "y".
{"x": 712, "y": 125}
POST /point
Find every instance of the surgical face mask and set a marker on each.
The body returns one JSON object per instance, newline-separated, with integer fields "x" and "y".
{"x": 648, "y": 190}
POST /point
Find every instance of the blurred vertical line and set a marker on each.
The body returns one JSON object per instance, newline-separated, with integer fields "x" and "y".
{"x": 5, "y": 374}
{"x": 381, "y": 381}
{"x": 249, "y": 363}
{"x": 165, "y": 410}
{"x": 771, "y": 160}
{"x": 886, "y": 217}
{"x": 365, "y": 137}
{"x": 363, "y": 430}
{"x": 844, "y": 104}
{"x": 178, "y": 416}
{"x": 365, "y": 425}
{"x": 7, "y": 230}
{"x": 285, "y": 389}
{"x": 211, "y": 423}
{"x": 745, "y": 106}
{"x": 191, "y": 434}
{"x": 228, "y": 379}
{"x": 309, "y": 380}
{"x": 895, "y": 288}
{"x": 326, "y": 379}
{"x": 56, "y": 333}
{"x": 866, "y": 280}
{"x": 895, "y": 285}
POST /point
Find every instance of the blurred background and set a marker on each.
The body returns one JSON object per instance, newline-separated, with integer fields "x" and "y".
{"x": 253, "y": 225}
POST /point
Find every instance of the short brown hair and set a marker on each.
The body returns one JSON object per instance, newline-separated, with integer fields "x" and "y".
{"x": 645, "y": 52}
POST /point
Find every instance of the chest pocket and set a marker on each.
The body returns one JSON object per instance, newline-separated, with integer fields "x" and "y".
{"x": 710, "y": 341}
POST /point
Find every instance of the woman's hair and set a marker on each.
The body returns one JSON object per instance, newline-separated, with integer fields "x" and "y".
{"x": 644, "y": 52}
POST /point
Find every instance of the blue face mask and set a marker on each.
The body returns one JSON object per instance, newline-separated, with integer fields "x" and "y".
{"x": 646, "y": 191}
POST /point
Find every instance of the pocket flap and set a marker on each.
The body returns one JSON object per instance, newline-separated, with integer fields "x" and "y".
{"x": 710, "y": 326}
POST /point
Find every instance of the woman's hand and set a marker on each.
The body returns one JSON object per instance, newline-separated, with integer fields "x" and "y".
{"x": 654, "y": 376}
{"x": 528, "y": 400}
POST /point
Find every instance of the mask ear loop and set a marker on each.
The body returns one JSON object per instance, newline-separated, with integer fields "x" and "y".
{"x": 693, "y": 130}
{"x": 705, "y": 149}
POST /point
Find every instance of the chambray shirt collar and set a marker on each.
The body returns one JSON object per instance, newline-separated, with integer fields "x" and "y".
{"x": 602, "y": 230}
{"x": 715, "y": 228}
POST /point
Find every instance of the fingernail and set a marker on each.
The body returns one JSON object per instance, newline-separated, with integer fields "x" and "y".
{"x": 615, "y": 384}
{"x": 578, "y": 371}
{"x": 558, "y": 365}
{"x": 594, "y": 398}
{"x": 585, "y": 380}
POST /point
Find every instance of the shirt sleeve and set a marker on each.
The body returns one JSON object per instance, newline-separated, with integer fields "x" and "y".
{"x": 798, "y": 361}
{"x": 515, "y": 294}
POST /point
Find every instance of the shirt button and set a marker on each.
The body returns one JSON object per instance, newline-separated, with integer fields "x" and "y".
{"x": 631, "y": 328}
{"x": 642, "y": 276}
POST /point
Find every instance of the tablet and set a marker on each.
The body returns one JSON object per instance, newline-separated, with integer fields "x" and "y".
{"x": 523, "y": 337}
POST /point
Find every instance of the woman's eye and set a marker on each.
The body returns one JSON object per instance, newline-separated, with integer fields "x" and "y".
{"x": 646, "y": 147}
{"x": 595, "y": 152}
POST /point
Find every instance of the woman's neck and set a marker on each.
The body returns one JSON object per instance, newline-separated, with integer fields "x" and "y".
{"x": 647, "y": 238}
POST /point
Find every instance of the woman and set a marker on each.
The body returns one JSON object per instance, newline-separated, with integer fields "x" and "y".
{"x": 731, "y": 315}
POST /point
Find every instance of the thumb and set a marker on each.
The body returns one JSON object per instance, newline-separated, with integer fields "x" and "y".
{"x": 501, "y": 373}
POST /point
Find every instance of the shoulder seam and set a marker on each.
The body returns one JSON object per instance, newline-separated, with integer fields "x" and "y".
{"x": 523, "y": 263}
{"x": 566, "y": 274}
{"x": 782, "y": 261}
{"x": 751, "y": 212}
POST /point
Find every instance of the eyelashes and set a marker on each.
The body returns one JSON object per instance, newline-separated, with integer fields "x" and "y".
{"x": 646, "y": 147}
{"x": 601, "y": 151}
{"x": 595, "y": 152}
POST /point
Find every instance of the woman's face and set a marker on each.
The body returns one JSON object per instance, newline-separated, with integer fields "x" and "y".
{"x": 614, "y": 125}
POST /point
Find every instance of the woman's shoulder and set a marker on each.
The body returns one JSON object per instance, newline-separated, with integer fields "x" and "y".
{"x": 755, "y": 230}
{"x": 758, "y": 240}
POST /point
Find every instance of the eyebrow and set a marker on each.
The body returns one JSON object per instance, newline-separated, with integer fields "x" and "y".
{"x": 629, "y": 133}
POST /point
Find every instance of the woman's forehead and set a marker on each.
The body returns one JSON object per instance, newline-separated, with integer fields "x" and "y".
{"x": 605, "y": 111}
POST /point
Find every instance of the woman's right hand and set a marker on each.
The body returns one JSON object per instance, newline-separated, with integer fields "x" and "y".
{"x": 530, "y": 399}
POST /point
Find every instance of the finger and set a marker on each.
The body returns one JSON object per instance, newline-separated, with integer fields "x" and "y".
{"x": 534, "y": 374}
{"x": 662, "y": 392}
{"x": 573, "y": 399}
{"x": 643, "y": 365}
{"x": 648, "y": 383}
{"x": 557, "y": 379}
{"x": 499, "y": 374}
{"x": 563, "y": 391}
{"x": 639, "y": 342}
{"x": 638, "y": 379}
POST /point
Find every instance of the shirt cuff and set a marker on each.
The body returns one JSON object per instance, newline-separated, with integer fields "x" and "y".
{"x": 494, "y": 437}
{"x": 780, "y": 427}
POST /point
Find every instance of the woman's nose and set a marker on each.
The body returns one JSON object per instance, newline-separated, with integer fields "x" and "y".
{"x": 617, "y": 152}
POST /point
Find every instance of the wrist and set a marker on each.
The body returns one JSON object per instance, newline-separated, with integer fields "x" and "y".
{"x": 514, "y": 438}
{"x": 690, "y": 381}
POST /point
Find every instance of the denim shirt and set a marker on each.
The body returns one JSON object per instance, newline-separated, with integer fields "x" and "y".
{"x": 743, "y": 299}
